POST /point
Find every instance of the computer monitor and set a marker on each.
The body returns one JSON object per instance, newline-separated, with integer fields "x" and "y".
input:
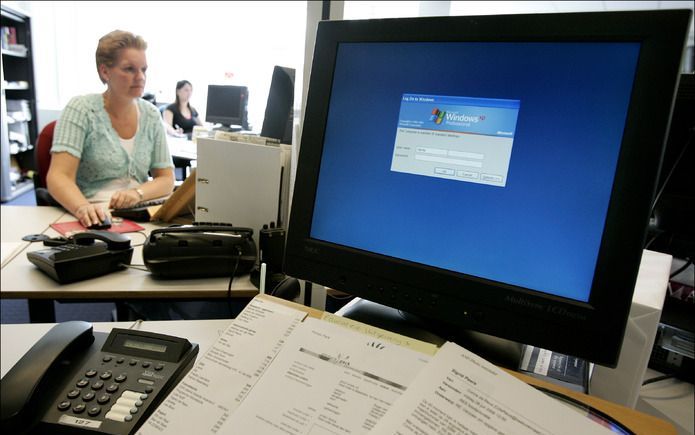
{"x": 228, "y": 105}
{"x": 494, "y": 173}
{"x": 280, "y": 107}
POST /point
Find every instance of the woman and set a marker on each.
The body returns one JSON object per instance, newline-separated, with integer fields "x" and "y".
{"x": 105, "y": 144}
{"x": 180, "y": 117}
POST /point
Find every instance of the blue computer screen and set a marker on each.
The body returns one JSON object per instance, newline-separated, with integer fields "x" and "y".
{"x": 494, "y": 160}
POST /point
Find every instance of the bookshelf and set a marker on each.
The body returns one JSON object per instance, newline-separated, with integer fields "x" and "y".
{"x": 19, "y": 122}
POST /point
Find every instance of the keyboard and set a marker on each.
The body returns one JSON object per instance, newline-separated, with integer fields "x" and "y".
{"x": 138, "y": 212}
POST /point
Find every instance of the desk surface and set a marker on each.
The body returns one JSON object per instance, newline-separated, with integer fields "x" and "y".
{"x": 22, "y": 280}
{"x": 182, "y": 148}
{"x": 17, "y": 339}
{"x": 18, "y": 221}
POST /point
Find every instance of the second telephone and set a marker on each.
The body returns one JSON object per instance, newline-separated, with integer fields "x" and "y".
{"x": 75, "y": 381}
{"x": 84, "y": 255}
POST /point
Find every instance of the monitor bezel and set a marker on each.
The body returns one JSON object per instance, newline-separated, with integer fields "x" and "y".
{"x": 228, "y": 120}
{"x": 596, "y": 327}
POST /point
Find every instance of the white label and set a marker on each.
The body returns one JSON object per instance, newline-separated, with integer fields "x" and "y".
{"x": 81, "y": 422}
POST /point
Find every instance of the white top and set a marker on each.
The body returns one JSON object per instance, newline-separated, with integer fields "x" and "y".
{"x": 105, "y": 193}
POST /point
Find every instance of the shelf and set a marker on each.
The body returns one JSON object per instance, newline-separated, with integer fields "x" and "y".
{"x": 16, "y": 87}
{"x": 15, "y": 53}
{"x": 20, "y": 150}
{"x": 17, "y": 153}
{"x": 19, "y": 189}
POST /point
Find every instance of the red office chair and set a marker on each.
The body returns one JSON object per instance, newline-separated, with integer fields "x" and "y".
{"x": 42, "y": 156}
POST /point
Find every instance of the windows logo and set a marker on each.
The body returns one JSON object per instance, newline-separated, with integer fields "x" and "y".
{"x": 437, "y": 116}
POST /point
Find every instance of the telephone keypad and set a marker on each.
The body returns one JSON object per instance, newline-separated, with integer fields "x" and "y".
{"x": 112, "y": 388}
{"x": 125, "y": 406}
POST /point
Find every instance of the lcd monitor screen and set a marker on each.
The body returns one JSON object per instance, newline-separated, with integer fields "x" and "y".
{"x": 486, "y": 177}
{"x": 227, "y": 105}
{"x": 488, "y": 166}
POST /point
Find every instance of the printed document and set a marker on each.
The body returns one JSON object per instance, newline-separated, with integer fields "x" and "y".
{"x": 461, "y": 393}
{"x": 203, "y": 401}
{"x": 328, "y": 379}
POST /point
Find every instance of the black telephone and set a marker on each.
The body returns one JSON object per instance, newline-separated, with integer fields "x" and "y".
{"x": 75, "y": 381}
{"x": 84, "y": 255}
{"x": 199, "y": 250}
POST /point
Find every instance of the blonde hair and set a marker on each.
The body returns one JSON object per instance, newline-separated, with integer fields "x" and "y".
{"x": 111, "y": 44}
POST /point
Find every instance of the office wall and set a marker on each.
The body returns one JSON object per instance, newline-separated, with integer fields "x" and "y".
{"x": 203, "y": 42}
{"x": 389, "y": 9}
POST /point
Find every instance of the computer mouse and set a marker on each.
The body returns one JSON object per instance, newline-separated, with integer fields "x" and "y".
{"x": 104, "y": 225}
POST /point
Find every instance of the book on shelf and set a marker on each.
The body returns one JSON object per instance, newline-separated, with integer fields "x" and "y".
{"x": 283, "y": 368}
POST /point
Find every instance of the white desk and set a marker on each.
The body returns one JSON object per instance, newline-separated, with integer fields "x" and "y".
{"x": 16, "y": 340}
{"x": 182, "y": 148}
{"x": 22, "y": 280}
{"x": 18, "y": 222}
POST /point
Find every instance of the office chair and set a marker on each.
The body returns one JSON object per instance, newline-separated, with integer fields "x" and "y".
{"x": 42, "y": 156}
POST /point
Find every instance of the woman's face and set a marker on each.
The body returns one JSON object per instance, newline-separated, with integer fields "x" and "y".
{"x": 184, "y": 93}
{"x": 128, "y": 75}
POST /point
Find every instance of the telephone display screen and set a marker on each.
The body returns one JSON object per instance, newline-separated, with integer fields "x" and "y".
{"x": 142, "y": 345}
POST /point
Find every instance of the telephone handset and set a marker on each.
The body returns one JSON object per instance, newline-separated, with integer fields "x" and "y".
{"x": 79, "y": 382}
{"x": 84, "y": 255}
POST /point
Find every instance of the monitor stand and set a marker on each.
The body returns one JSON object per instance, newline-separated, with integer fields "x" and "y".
{"x": 503, "y": 353}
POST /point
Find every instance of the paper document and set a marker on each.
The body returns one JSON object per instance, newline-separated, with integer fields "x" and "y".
{"x": 327, "y": 379}
{"x": 461, "y": 393}
{"x": 203, "y": 401}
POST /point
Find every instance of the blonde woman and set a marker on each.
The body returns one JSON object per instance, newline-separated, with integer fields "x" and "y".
{"x": 106, "y": 145}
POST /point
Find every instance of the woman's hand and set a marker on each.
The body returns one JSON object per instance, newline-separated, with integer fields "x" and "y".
{"x": 125, "y": 199}
{"x": 90, "y": 214}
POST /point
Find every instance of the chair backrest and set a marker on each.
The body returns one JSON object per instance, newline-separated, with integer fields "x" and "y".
{"x": 43, "y": 154}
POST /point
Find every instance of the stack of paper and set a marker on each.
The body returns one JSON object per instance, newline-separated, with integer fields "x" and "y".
{"x": 276, "y": 370}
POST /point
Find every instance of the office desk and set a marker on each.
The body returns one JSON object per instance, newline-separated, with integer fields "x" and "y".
{"x": 17, "y": 339}
{"x": 183, "y": 151}
{"x": 18, "y": 222}
{"x": 22, "y": 280}
{"x": 182, "y": 148}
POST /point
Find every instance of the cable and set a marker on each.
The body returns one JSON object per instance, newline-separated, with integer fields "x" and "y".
{"x": 135, "y": 266}
{"x": 141, "y": 244}
{"x": 657, "y": 379}
{"x": 136, "y": 323}
{"x": 231, "y": 279}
